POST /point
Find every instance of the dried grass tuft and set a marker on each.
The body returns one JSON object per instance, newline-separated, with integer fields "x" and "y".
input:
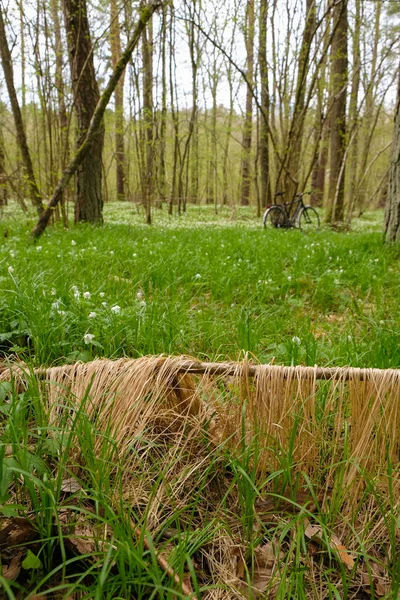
{"x": 321, "y": 414}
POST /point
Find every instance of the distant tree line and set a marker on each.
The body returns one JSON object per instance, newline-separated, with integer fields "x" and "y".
{"x": 219, "y": 103}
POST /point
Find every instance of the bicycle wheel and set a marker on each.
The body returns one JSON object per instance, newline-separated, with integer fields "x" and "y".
{"x": 308, "y": 219}
{"x": 275, "y": 217}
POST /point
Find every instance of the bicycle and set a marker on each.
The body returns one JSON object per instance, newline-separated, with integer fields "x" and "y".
{"x": 279, "y": 216}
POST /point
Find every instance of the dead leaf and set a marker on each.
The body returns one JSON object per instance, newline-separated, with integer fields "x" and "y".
{"x": 375, "y": 575}
{"x": 12, "y": 570}
{"x": 315, "y": 533}
{"x": 70, "y": 485}
{"x": 16, "y": 531}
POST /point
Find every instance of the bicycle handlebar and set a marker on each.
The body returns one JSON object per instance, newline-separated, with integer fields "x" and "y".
{"x": 303, "y": 194}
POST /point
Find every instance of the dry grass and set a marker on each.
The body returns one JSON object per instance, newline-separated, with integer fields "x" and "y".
{"x": 172, "y": 415}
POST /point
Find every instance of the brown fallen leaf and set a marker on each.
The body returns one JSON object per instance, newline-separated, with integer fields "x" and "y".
{"x": 70, "y": 485}
{"x": 375, "y": 575}
{"x": 12, "y": 570}
{"x": 16, "y": 531}
{"x": 265, "y": 574}
{"x": 315, "y": 533}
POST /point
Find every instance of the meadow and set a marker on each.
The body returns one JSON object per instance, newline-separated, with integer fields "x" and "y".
{"x": 200, "y": 285}
{"x": 98, "y": 514}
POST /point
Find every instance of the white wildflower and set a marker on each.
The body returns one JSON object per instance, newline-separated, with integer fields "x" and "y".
{"x": 39, "y": 248}
{"x": 104, "y": 304}
{"x": 296, "y": 340}
{"x": 73, "y": 243}
{"x": 92, "y": 315}
{"x": 12, "y": 253}
{"x": 140, "y": 295}
{"x": 11, "y": 269}
{"x": 88, "y": 338}
{"x": 116, "y": 309}
{"x": 102, "y": 294}
{"x": 142, "y": 303}
{"x": 86, "y": 295}
{"x": 61, "y": 313}
{"x": 53, "y": 291}
{"x": 77, "y": 295}
{"x": 197, "y": 276}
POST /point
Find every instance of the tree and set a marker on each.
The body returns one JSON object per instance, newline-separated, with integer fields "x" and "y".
{"x": 115, "y": 46}
{"x": 392, "y": 212}
{"x": 90, "y": 139}
{"x": 248, "y": 118}
{"x": 7, "y": 64}
{"x": 264, "y": 139}
{"x": 88, "y": 176}
{"x": 338, "y": 85}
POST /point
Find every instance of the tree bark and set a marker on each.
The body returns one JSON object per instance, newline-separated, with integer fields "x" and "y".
{"x": 115, "y": 44}
{"x": 248, "y": 119}
{"x": 338, "y": 113}
{"x": 88, "y": 175}
{"x": 6, "y": 60}
{"x": 148, "y": 184}
{"x": 265, "y": 102}
{"x": 97, "y": 118}
{"x": 392, "y": 210}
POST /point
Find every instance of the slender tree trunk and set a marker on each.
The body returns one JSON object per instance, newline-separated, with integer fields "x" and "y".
{"x": 115, "y": 44}
{"x": 3, "y": 175}
{"x": 369, "y": 120}
{"x": 164, "y": 110}
{"x": 295, "y": 135}
{"x": 63, "y": 143}
{"x": 264, "y": 146}
{"x": 6, "y": 61}
{"x": 392, "y": 211}
{"x": 248, "y": 118}
{"x": 338, "y": 87}
{"x": 175, "y": 119}
{"x": 354, "y": 111}
{"x": 147, "y": 49}
{"x": 88, "y": 176}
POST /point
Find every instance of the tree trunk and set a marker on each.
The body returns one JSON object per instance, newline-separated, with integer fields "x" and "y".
{"x": 88, "y": 176}
{"x": 264, "y": 149}
{"x": 338, "y": 113}
{"x": 354, "y": 111}
{"x": 164, "y": 110}
{"x": 6, "y": 60}
{"x": 148, "y": 187}
{"x": 392, "y": 211}
{"x": 3, "y": 175}
{"x": 63, "y": 142}
{"x": 96, "y": 121}
{"x": 248, "y": 118}
{"x": 115, "y": 44}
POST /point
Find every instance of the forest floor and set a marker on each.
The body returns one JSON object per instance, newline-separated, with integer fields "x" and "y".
{"x": 86, "y": 515}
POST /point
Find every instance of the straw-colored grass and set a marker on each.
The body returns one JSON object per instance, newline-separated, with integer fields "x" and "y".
{"x": 308, "y": 408}
{"x": 171, "y": 420}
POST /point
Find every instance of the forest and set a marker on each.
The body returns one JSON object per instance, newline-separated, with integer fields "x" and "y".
{"x": 217, "y": 105}
{"x": 199, "y": 300}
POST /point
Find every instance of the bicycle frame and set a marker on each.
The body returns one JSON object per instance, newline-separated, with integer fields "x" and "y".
{"x": 291, "y": 212}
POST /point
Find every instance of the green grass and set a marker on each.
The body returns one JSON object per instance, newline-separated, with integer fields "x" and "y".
{"x": 205, "y": 289}
{"x": 212, "y": 286}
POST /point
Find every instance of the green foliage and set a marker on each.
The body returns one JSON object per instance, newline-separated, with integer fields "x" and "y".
{"x": 203, "y": 285}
